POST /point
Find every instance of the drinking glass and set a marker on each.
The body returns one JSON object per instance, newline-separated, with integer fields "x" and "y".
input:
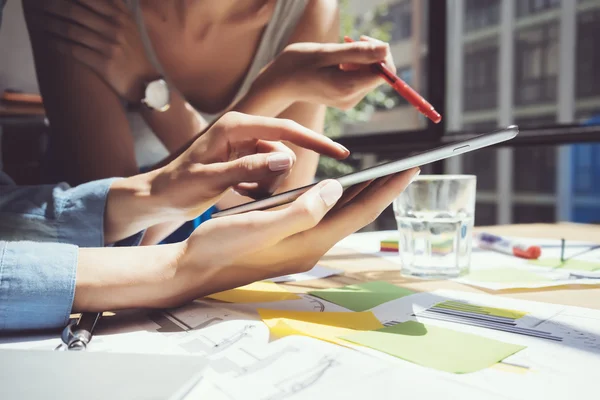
{"x": 435, "y": 222}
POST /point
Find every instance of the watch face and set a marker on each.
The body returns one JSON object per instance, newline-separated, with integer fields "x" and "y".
{"x": 157, "y": 95}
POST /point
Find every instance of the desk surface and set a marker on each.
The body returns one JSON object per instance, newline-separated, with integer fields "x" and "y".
{"x": 379, "y": 269}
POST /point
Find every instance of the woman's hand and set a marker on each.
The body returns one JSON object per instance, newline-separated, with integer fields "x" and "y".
{"x": 229, "y": 252}
{"x": 337, "y": 75}
{"x": 264, "y": 244}
{"x": 242, "y": 152}
{"x": 100, "y": 34}
{"x": 239, "y": 151}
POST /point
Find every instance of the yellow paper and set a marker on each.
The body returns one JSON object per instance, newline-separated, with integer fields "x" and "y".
{"x": 326, "y": 326}
{"x": 257, "y": 292}
{"x": 515, "y": 369}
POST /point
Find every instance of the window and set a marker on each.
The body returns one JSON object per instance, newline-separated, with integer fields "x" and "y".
{"x": 588, "y": 54}
{"x": 529, "y": 7}
{"x": 528, "y": 214}
{"x": 482, "y": 162}
{"x": 535, "y": 168}
{"x": 522, "y": 180}
{"x": 481, "y": 14}
{"x": 485, "y": 214}
{"x": 536, "y": 65}
{"x": 480, "y": 76}
{"x": 400, "y": 17}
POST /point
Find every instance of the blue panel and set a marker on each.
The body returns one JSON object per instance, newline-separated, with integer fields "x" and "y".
{"x": 590, "y": 215}
{"x": 586, "y": 177}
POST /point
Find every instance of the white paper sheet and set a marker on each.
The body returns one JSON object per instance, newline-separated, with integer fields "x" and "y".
{"x": 190, "y": 329}
{"x": 317, "y": 272}
{"x": 197, "y": 328}
{"x": 304, "y": 368}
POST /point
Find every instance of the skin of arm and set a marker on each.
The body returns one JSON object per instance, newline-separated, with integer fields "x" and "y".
{"x": 89, "y": 144}
{"x": 91, "y": 133}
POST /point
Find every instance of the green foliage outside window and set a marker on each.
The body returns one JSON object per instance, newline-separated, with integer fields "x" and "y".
{"x": 380, "y": 98}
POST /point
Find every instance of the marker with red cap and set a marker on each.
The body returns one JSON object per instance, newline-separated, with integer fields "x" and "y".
{"x": 506, "y": 246}
{"x": 404, "y": 90}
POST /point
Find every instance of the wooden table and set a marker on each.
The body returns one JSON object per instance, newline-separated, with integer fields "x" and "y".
{"x": 364, "y": 267}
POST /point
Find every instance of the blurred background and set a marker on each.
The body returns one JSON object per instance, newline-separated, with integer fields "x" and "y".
{"x": 534, "y": 63}
{"x": 482, "y": 63}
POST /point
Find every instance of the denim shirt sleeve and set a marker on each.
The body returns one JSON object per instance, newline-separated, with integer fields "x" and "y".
{"x": 37, "y": 284}
{"x": 41, "y": 228}
{"x": 54, "y": 213}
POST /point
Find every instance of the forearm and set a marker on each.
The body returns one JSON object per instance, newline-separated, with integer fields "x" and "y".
{"x": 311, "y": 116}
{"x": 265, "y": 98}
{"x": 126, "y": 277}
{"x": 176, "y": 126}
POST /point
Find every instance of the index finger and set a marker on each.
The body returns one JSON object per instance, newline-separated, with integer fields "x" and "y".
{"x": 352, "y": 52}
{"x": 245, "y": 127}
{"x": 389, "y": 60}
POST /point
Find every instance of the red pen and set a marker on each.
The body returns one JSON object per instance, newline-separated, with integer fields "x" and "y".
{"x": 404, "y": 90}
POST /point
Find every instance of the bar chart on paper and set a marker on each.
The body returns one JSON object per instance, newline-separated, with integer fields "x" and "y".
{"x": 485, "y": 317}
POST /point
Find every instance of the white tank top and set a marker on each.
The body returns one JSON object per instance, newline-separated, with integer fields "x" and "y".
{"x": 148, "y": 148}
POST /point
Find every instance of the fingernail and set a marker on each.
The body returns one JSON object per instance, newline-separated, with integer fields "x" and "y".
{"x": 415, "y": 176}
{"x": 279, "y": 161}
{"x": 344, "y": 149}
{"x": 331, "y": 193}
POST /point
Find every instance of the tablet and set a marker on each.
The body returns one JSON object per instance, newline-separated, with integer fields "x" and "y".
{"x": 417, "y": 160}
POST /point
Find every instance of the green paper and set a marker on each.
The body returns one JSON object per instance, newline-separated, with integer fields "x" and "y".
{"x": 363, "y": 296}
{"x": 505, "y": 275}
{"x": 434, "y": 347}
{"x": 571, "y": 264}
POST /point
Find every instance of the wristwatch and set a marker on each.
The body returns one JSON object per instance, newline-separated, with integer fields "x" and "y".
{"x": 156, "y": 95}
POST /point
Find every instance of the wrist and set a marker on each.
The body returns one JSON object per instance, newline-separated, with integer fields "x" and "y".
{"x": 127, "y": 277}
{"x": 132, "y": 207}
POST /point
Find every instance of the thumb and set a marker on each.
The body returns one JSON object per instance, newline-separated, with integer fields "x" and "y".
{"x": 262, "y": 229}
{"x": 253, "y": 168}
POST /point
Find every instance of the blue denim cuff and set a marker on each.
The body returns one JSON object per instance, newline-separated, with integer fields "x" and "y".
{"x": 37, "y": 284}
{"x": 81, "y": 213}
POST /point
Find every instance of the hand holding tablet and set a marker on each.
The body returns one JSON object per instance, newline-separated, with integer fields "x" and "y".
{"x": 417, "y": 160}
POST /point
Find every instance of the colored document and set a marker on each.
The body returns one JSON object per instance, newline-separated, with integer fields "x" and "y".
{"x": 435, "y": 347}
{"x": 328, "y": 326}
{"x": 363, "y": 296}
{"x": 466, "y": 308}
{"x": 257, "y": 292}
